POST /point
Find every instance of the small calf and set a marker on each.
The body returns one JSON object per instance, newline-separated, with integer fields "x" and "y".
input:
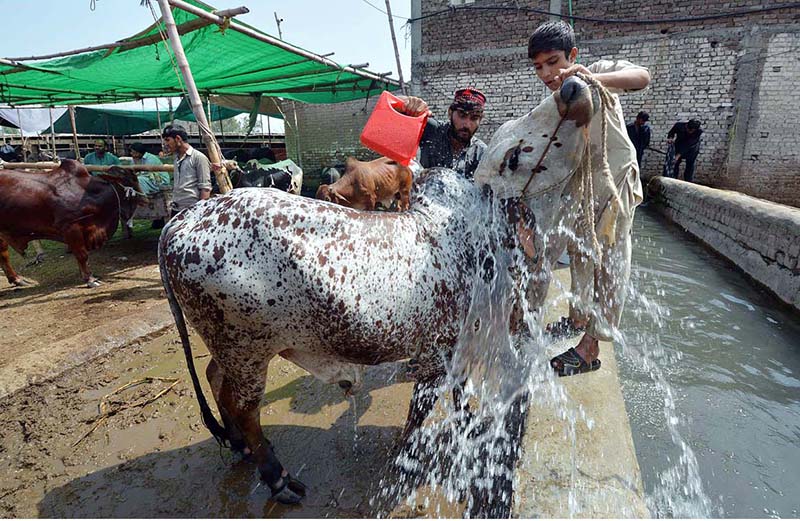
{"x": 364, "y": 184}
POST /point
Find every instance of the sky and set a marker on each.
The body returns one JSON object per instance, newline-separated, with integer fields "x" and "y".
{"x": 357, "y": 31}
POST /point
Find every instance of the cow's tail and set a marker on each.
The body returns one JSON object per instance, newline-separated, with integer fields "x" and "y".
{"x": 211, "y": 423}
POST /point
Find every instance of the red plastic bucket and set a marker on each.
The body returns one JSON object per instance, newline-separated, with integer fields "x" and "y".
{"x": 392, "y": 134}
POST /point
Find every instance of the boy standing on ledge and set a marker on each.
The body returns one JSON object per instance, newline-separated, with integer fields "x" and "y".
{"x": 553, "y": 50}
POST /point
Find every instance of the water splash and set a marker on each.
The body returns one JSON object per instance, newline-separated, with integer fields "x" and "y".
{"x": 469, "y": 450}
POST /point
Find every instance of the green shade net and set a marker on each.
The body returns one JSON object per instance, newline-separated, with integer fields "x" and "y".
{"x": 222, "y": 62}
{"x": 115, "y": 122}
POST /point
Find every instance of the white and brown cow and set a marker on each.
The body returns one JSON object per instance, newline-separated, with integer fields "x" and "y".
{"x": 255, "y": 269}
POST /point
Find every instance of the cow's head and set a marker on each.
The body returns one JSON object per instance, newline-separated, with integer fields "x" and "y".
{"x": 328, "y": 193}
{"x": 539, "y": 150}
{"x": 126, "y": 184}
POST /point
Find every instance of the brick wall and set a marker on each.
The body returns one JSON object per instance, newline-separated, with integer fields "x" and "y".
{"x": 733, "y": 74}
{"x": 326, "y": 134}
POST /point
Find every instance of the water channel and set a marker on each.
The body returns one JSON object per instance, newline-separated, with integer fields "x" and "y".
{"x": 710, "y": 361}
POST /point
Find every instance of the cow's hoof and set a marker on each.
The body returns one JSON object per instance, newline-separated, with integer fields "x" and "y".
{"x": 347, "y": 386}
{"x": 289, "y": 492}
{"x": 93, "y": 283}
{"x": 22, "y": 283}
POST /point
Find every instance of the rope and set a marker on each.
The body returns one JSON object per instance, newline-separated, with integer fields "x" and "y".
{"x": 587, "y": 221}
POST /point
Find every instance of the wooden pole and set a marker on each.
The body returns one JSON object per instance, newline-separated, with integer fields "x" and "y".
{"x": 396, "y": 52}
{"x": 171, "y": 112}
{"x": 22, "y": 135}
{"x": 74, "y": 133}
{"x": 158, "y": 116}
{"x": 221, "y": 173}
{"x": 132, "y": 44}
{"x": 49, "y": 165}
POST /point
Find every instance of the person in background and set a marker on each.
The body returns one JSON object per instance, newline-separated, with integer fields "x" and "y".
{"x": 686, "y": 138}
{"x": 192, "y": 170}
{"x": 36, "y": 154}
{"x": 150, "y": 182}
{"x": 101, "y": 156}
{"x": 639, "y": 132}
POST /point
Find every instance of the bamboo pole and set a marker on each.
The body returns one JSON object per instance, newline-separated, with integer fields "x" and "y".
{"x": 396, "y": 51}
{"x": 49, "y": 165}
{"x": 210, "y": 141}
{"x": 71, "y": 109}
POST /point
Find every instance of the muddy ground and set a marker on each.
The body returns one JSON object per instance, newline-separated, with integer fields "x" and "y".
{"x": 60, "y": 305}
{"x": 61, "y": 457}
{"x": 158, "y": 460}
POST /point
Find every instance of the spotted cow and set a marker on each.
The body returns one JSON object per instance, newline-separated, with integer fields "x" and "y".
{"x": 254, "y": 270}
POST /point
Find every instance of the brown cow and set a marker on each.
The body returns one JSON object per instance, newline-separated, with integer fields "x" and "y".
{"x": 364, "y": 184}
{"x": 66, "y": 205}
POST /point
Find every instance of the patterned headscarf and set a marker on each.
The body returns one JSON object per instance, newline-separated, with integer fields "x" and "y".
{"x": 468, "y": 100}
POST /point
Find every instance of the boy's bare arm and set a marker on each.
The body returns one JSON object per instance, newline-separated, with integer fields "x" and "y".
{"x": 633, "y": 78}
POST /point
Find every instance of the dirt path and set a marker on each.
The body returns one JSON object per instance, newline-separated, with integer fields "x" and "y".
{"x": 159, "y": 461}
{"x": 60, "y": 306}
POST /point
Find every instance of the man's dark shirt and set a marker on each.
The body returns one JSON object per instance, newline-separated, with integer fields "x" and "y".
{"x": 640, "y": 137}
{"x": 685, "y": 144}
{"x": 436, "y": 150}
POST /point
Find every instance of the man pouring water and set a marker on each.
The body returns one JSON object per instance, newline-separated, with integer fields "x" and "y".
{"x": 452, "y": 144}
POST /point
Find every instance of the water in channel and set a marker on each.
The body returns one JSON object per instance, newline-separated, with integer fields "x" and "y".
{"x": 710, "y": 362}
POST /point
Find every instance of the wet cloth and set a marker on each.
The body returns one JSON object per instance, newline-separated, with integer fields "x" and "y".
{"x": 435, "y": 150}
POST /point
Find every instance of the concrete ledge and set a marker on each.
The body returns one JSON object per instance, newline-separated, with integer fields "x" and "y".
{"x": 599, "y": 476}
{"x": 44, "y": 364}
{"x": 760, "y": 237}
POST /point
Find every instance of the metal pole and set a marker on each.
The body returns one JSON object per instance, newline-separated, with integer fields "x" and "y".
{"x": 171, "y": 113}
{"x": 52, "y": 135}
{"x": 297, "y": 135}
{"x": 278, "y": 22}
{"x": 221, "y": 173}
{"x": 74, "y": 133}
{"x": 396, "y": 51}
